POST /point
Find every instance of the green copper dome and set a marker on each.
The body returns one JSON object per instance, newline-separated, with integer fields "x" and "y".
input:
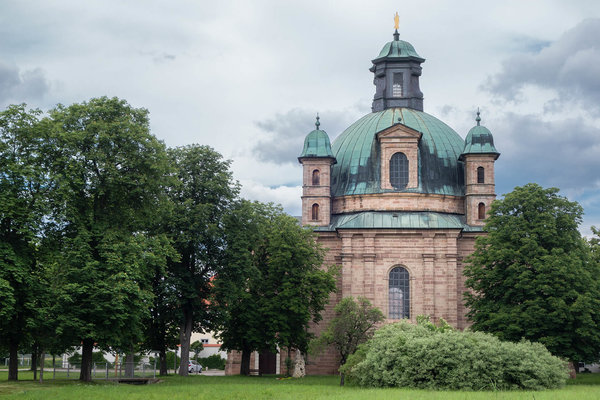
{"x": 316, "y": 144}
{"x": 398, "y": 49}
{"x": 479, "y": 140}
{"x": 357, "y": 152}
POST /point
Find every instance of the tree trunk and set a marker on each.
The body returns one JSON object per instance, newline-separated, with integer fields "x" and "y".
{"x": 163, "y": 362}
{"x": 184, "y": 336}
{"x": 13, "y": 363}
{"x": 245, "y": 365}
{"x": 42, "y": 362}
{"x": 573, "y": 369}
{"x": 342, "y": 376}
{"x": 129, "y": 363}
{"x": 34, "y": 354}
{"x": 86, "y": 360}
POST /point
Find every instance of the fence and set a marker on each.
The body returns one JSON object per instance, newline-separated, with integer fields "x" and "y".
{"x": 105, "y": 371}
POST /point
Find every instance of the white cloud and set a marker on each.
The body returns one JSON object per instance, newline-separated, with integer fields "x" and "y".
{"x": 287, "y": 196}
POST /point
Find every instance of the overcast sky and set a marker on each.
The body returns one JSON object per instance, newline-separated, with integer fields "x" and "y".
{"x": 248, "y": 77}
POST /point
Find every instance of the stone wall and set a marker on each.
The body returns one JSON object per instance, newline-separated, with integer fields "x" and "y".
{"x": 399, "y": 202}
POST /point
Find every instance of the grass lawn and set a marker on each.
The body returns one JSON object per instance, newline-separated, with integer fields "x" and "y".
{"x": 586, "y": 386}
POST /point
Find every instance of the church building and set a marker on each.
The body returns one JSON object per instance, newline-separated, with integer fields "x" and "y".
{"x": 398, "y": 199}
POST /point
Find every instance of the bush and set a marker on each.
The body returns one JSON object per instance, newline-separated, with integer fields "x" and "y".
{"x": 75, "y": 359}
{"x": 214, "y": 361}
{"x": 417, "y": 356}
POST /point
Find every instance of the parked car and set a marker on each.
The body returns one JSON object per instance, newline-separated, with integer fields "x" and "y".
{"x": 193, "y": 366}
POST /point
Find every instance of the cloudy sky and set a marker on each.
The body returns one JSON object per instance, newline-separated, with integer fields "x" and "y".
{"x": 248, "y": 77}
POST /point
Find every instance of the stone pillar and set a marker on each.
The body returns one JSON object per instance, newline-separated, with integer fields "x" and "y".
{"x": 451, "y": 282}
{"x": 347, "y": 257}
{"x": 429, "y": 306}
{"x": 369, "y": 257}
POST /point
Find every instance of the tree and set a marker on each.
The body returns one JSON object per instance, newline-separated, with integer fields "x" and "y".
{"x": 353, "y": 324}
{"x": 201, "y": 195}
{"x": 235, "y": 306}
{"x": 273, "y": 286}
{"x": 161, "y": 327}
{"x": 24, "y": 183}
{"x": 110, "y": 174}
{"x": 197, "y": 348}
{"x": 594, "y": 243}
{"x": 532, "y": 276}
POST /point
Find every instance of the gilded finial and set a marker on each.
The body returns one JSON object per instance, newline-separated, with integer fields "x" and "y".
{"x": 396, "y": 21}
{"x": 317, "y": 123}
{"x": 478, "y": 119}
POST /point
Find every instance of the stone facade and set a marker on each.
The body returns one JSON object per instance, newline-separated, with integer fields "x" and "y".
{"x": 433, "y": 259}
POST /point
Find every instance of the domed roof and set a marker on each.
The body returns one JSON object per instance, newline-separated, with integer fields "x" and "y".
{"x": 399, "y": 49}
{"x": 316, "y": 144}
{"x": 479, "y": 140}
{"x": 358, "y": 155}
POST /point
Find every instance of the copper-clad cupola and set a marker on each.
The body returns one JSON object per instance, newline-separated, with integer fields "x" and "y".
{"x": 397, "y": 69}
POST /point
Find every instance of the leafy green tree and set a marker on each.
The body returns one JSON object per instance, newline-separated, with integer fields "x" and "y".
{"x": 235, "y": 287}
{"x": 110, "y": 172}
{"x": 353, "y": 324}
{"x": 532, "y": 276}
{"x": 594, "y": 243}
{"x": 197, "y": 348}
{"x": 201, "y": 196}
{"x": 273, "y": 286}
{"x": 24, "y": 183}
{"x": 161, "y": 327}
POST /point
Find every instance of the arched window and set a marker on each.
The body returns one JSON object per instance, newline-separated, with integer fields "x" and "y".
{"x": 480, "y": 175}
{"x": 315, "y": 212}
{"x": 399, "y": 293}
{"x": 399, "y": 171}
{"x": 316, "y": 179}
{"x": 481, "y": 211}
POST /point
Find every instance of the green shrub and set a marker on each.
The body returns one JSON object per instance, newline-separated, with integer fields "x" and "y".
{"x": 214, "y": 361}
{"x": 417, "y": 356}
{"x": 353, "y": 360}
{"x": 75, "y": 359}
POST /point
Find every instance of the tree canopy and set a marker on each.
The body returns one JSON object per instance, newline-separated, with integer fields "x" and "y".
{"x": 353, "y": 324}
{"x": 274, "y": 285}
{"x": 24, "y": 183}
{"x": 109, "y": 240}
{"x": 201, "y": 194}
{"x": 110, "y": 171}
{"x": 532, "y": 275}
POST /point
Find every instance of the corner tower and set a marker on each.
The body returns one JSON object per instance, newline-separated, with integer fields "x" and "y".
{"x": 397, "y": 69}
{"x": 316, "y": 159}
{"x": 479, "y": 156}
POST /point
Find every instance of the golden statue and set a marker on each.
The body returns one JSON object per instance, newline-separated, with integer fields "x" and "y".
{"x": 396, "y": 21}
